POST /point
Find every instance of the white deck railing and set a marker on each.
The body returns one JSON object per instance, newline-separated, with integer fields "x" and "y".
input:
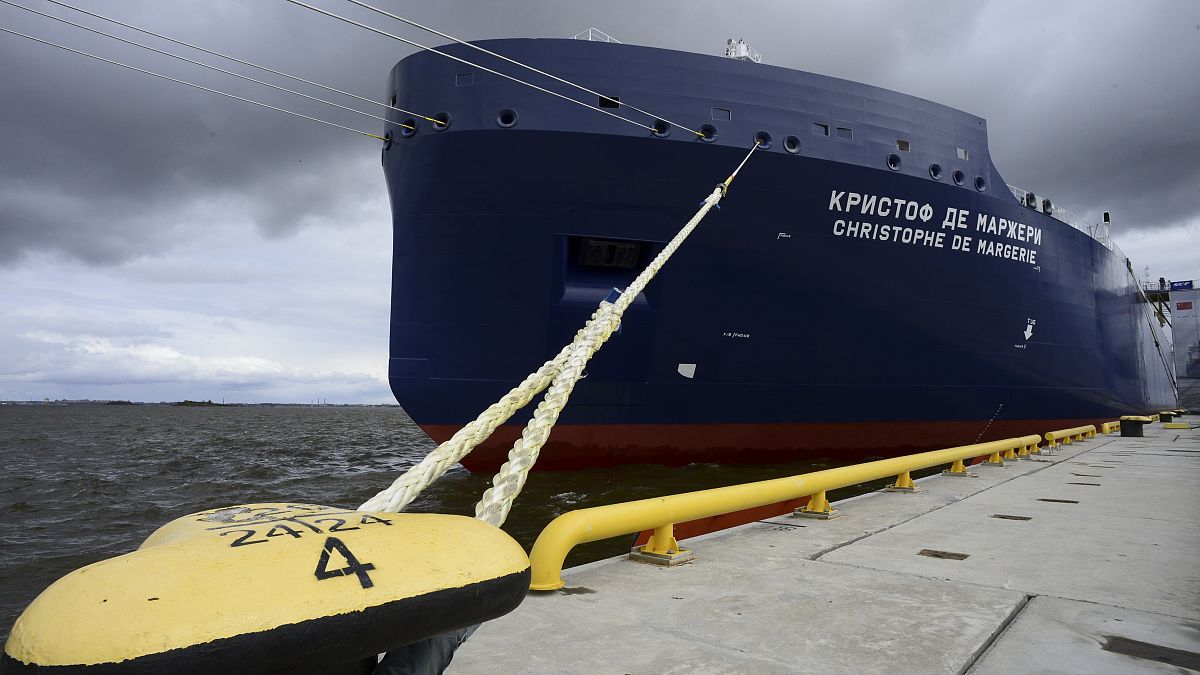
{"x": 1059, "y": 213}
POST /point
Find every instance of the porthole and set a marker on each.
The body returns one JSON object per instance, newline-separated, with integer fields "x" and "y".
{"x": 893, "y": 162}
{"x": 708, "y": 133}
{"x": 442, "y": 121}
{"x": 980, "y": 183}
{"x": 763, "y": 139}
{"x": 935, "y": 171}
{"x": 387, "y": 140}
{"x": 408, "y": 127}
{"x": 958, "y": 177}
{"x": 792, "y": 145}
{"x": 506, "y": 118}
{"x": 662, "y": 128}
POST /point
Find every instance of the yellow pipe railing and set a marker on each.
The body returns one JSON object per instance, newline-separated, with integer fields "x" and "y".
{"x": 1109, "y": 427}
{"x": 661, "y": 513}
{"x": 1068, "y": 436}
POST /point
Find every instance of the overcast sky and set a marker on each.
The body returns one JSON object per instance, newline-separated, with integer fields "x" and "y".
{"x": 161, "y": 243}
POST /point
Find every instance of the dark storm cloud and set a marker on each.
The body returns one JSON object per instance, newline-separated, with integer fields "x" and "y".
{"x": 1093, "y": 104}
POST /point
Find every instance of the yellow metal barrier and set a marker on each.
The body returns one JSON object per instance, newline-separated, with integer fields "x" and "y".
{"x": 661, "y": 513}
{"x": 1109, "y": 427}
{"x": 1069, "y": 436}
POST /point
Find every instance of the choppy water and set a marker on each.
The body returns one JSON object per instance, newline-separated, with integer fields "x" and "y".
{"x": 88, "y": 482}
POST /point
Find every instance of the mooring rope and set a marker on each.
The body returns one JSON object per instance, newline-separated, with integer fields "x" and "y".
{"x": 1150, "y": 322}
{"x": 197, "y": 86}
{"x": 240, "y": 61}
{"x": 515, "y": 62}
{"x": 418, "y": 45}
{"x": 205, "y": 65}
{"x": 560, "y": 374}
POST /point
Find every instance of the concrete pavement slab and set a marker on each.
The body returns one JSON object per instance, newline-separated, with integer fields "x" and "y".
{"x": 1083, "y": 638}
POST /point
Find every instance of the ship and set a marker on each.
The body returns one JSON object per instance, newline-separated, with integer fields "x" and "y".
{"x": 871, "y": 285}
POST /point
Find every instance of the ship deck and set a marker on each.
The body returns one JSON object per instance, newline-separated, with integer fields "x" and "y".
{"x": 1099, "y": 577}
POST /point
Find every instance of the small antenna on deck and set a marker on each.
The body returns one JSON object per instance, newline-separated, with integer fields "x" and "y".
{"x": 595, "y": 35}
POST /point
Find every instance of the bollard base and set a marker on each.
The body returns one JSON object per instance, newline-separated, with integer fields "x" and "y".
{"x": 960, "y": 474}
{"x": 680, "y": 557}
{"x": 817, "y": 515}
{"x": 893, "y": 488}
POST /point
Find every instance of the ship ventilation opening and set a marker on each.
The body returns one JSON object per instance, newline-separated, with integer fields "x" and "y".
{"x": 893, "y": 162}
{"x": 958, "y": 176}
{"x": 506, "y": 118}
{"x": 763, "y": 139}
{"x": 935, "y": 171}
{"x": 662, "y": 128}
{"x": 708, "y": 133}
{"x": 408, "y": 128}
{"x": 1047, "y": 207}
{"x": 792, "y": 145}
{"x": 980, "y": 183}
{"x": 442, "y": 121}
{"x": 610, "y": 101}
{"x": 393, "y": 101}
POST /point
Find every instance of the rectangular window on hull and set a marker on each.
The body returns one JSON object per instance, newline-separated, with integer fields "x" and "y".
{"x": 845, "y": 133}
{"x": 610, "y": 101}
{"x": 963, "y": 154}
{"x": 608, "y": 253}
{"x": 464, "y": 79}
{"x": 722, "y": 114}
{"x": 903, "y": 145}
{"x": 819, "y": 129}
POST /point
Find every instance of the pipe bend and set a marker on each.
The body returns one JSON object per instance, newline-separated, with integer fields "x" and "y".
{"x": 551, "y": 549}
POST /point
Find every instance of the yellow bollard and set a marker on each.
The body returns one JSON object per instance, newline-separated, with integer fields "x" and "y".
{"x": 662, "y": 549}
{"x": 662, "y": 542}
{"x": 958, "y": 469}
{"x": 818, "y": 506}
{"x": 1010, "y": 453}
{"x": 904, "y": 483}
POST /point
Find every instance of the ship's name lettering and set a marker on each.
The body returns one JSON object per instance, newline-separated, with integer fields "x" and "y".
{"x": 957, "y": 221}
{"x": 894, "y": 233}
{"x": 1002, "y": 250}
{"x": 874, "y": 205}
{"x": 958, "y": 218}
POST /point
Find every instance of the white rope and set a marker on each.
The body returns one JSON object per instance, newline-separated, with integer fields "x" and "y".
{"x": 560, "y": 374}
{"x": 240, "y": 61}
{"x": 408, "y": 486}
{"x": 202, "y": 65}
{"x": 497, "y": 501}
{"x": 418, "y": 45}
{"x": 515, "y": 62}
{"x": 194, "y": 85}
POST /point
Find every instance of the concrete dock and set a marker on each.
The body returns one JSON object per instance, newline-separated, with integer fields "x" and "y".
{"x": 1083, "y": 561}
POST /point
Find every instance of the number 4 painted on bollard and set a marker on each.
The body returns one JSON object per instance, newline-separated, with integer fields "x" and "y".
{"x": 353, "y": 566}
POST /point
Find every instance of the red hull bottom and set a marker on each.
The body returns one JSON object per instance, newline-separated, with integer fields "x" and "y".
{"x": 576, "y": 447}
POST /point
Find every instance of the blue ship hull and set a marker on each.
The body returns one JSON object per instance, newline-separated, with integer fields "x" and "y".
{"x": 836, "y": 304}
